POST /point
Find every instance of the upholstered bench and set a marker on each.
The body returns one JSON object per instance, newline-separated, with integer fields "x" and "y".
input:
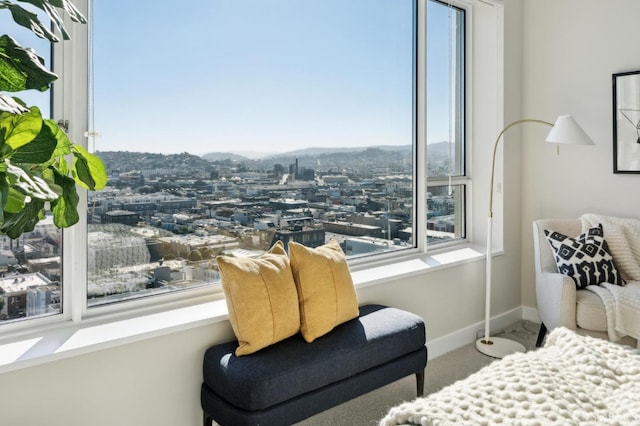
{"x": 292, "y": 379}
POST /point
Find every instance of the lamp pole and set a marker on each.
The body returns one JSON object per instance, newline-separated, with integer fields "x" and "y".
{"x": 495, "y": 346}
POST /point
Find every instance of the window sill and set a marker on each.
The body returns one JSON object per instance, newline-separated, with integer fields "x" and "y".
{"x": 67, "y": 339}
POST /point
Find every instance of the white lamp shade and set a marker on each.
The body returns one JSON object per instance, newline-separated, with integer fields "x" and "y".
{"x": 567, "y": 130}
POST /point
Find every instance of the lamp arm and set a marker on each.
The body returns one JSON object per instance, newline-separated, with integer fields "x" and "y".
{"x": 495, "y": 149}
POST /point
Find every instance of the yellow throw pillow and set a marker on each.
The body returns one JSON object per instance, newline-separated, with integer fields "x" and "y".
{"x": 261, "y": 297}
{"x": 325, "y": 288}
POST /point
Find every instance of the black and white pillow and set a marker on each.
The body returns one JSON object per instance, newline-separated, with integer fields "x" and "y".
{"x": 586, "y": 259}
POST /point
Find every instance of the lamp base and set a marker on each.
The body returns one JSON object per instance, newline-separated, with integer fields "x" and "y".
{"x": 498, "y": 347}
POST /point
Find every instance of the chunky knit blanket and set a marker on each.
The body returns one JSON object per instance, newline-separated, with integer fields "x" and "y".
{"x": 622, "y": 304}
{"x": 572, "y": 380}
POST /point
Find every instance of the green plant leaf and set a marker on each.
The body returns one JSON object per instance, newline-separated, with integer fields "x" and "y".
{"x": 63, "y": 166}
{"x": 29, "y": 20}
{"x": 40, "y": 149}
{"x": 65, "y": 208}
{"x": 71, "y": 10}
{"x": 28, "y": 183}
{"x": 53, "y": 14}
{"x": 16, "y": 201}
{"x": 63, "y": 146}
{"x": 66, "y": 5}
{"x": 48, "y": 175}
{"x": 88, "y": 170}
{"x": 19, "y": 129}
{"x": 16, "y": 224}
{"x": 9, "y": 104}
{"x": 21, "y": 68}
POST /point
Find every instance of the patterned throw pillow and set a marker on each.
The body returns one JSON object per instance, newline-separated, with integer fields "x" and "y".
{"x": 586, "y": 259}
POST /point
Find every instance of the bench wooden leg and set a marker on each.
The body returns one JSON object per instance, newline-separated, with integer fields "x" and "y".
{"x": 420, "y": 383}
{"x": 206, "y": 420}
{"x": 541, "y": 334}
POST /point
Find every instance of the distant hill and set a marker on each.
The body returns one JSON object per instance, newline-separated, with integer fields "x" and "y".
{"x": 316, "y": 157}
{"x": 438, "y": 155}
{"x": 127, "y": 161}
{"x": 341, "y": 158}
{"x": 306, "y": 152}
{"x": 221, "y": 156}
{"x": 315, "y": 151}
{"x": 439, "y": 149}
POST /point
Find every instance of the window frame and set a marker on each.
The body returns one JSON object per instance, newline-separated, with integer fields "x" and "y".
{"x": 68, "y": 99}
{"x": 463, "y": 180}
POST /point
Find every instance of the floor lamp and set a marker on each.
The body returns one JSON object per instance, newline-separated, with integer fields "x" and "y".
{"x": 565, "y": 130}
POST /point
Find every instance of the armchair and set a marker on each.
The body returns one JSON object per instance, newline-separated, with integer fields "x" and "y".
{"x": 560, "y": 304}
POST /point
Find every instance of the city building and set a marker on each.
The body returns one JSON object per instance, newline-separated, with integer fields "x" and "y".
{"x": 26, "y": 294}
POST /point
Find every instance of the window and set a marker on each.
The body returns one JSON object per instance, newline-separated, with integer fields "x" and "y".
{"x": 246, "y": 124}
{"x": 446, "y": 175}
{"x": 228, "y": 125}
{"x": 30, "y": 272}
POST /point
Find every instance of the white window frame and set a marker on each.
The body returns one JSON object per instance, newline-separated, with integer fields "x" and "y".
{"x": 464, "y": 180}
{"x": 70, "y": 99}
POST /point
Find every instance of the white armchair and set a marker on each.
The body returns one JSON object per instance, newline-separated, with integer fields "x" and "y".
{"x": 559, "y": 303}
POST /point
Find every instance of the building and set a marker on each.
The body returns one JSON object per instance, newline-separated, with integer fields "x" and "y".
{"x": 116, "y": 248}
{"x": 26, "y": 295}
{"x": 181, "y": 246}
{"x": 308, "y": 236}
{"x": 40, "y": 298}
{"x": 353, "y": 229}
{"x": 120, "y": 216}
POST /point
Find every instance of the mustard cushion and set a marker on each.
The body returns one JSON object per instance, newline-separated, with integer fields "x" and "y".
{"x": 325, "y": 288}
{"x": 261, "y": 298}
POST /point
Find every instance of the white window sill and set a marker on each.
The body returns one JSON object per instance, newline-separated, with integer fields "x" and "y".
{"x": 68, "y": 339}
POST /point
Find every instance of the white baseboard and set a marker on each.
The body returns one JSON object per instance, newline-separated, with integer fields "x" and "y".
{"x": 442, "y": 345}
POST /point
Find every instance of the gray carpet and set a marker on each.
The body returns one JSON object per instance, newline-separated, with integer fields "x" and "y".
{"x": 442, "y": 371}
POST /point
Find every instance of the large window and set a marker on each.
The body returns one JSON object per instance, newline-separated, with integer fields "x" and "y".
{"x": 242, "y": 124}
{"x": 227, "y": 125}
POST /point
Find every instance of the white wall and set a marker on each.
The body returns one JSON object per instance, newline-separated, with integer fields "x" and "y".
{"x": 570, "y": 50}
{"x": 157, "y": 381}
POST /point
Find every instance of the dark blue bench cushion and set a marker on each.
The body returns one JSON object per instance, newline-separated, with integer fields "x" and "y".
{"x": 293, "y": 367}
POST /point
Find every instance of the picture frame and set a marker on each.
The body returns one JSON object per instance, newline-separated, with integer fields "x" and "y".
{"x": 626, "y": 122}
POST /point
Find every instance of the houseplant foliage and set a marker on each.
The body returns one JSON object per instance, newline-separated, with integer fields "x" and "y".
{"x": 35, "y": 171}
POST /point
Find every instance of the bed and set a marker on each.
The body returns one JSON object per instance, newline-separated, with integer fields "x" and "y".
{"x": 572, "y": 380}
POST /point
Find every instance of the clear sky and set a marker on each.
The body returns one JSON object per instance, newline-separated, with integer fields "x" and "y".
{"x": 255, "y": 75}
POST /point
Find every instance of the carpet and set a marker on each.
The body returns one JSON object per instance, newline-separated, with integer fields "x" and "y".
{"x": 368, "y": 409}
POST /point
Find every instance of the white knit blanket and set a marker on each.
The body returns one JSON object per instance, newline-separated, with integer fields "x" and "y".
{"x": 572, "y": 380}
{"x": 622, "y": 304}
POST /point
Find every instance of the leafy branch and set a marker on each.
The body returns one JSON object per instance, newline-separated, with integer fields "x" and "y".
{"x": 34, "y": 172}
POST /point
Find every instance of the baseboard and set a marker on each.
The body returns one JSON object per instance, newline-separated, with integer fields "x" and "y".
{"x": 442, "y": 345}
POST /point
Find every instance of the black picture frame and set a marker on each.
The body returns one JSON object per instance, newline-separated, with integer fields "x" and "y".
{"x": 626, "y": 122}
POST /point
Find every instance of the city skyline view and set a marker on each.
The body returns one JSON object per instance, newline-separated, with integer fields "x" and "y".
{"x": 324, "y": 90}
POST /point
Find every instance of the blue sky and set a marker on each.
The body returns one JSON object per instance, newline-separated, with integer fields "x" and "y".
{"x": 255, "y": 75}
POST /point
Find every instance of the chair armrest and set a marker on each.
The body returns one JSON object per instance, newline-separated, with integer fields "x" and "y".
{"x": 556, "y": 300}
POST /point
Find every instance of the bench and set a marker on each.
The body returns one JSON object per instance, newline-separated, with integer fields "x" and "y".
{"x": 292, "y": 379}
